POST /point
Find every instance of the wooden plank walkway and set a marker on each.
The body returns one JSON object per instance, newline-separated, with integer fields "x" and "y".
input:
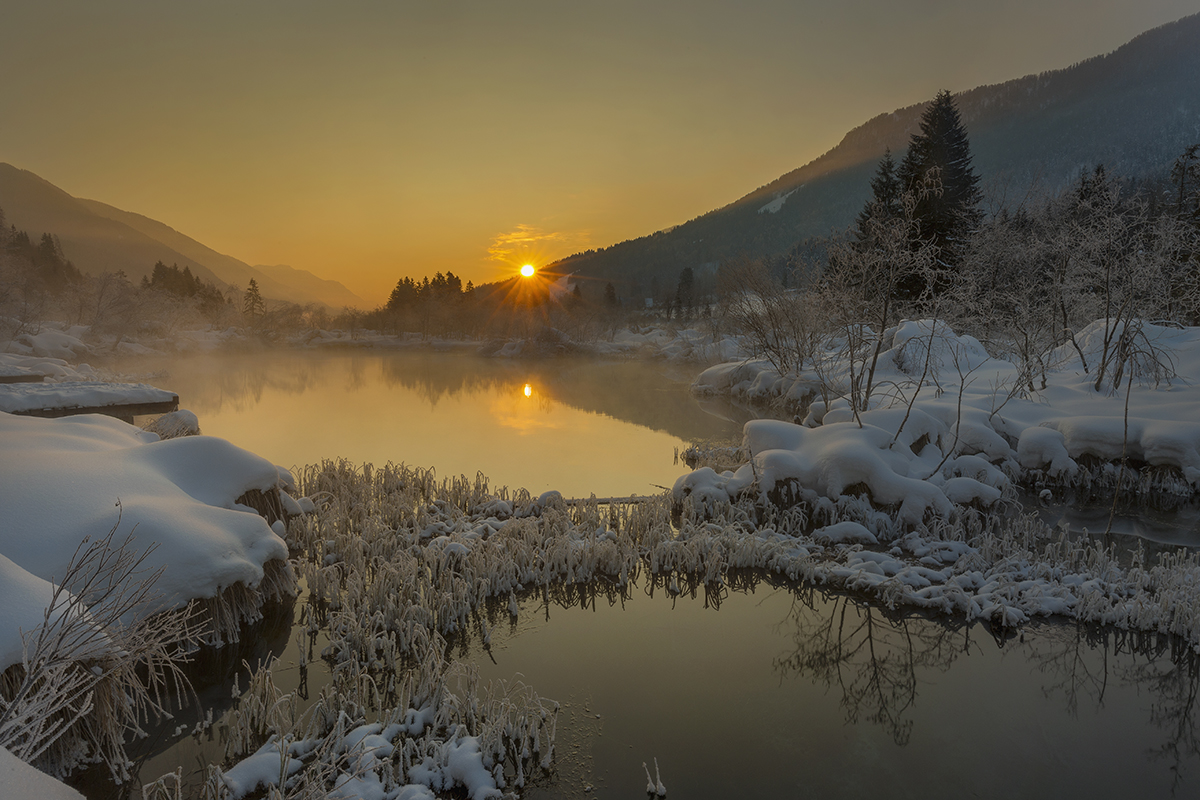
{"x": 11, "y": 374}
{"x": 121, "y": 400}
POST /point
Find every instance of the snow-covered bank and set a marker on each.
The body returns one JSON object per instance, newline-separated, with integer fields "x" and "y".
{"x": 902, "y": 494}
{"x": 451, "y": 547}
{"x": 135, "y": 529}
{"x": 80, "y": 477}
{"x": 959, "y": 427}
{"x": 46, "y": 368}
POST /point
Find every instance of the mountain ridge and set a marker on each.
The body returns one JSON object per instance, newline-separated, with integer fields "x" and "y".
{"x": 231, "y": 270}
{"x": 99, "y": 238}
{"x": 1134, "y": 109}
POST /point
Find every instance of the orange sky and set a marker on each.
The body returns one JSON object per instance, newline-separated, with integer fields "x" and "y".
{"x": 365, "y": 141}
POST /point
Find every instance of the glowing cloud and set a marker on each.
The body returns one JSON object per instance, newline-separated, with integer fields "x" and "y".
{"x": 529, "y": 244}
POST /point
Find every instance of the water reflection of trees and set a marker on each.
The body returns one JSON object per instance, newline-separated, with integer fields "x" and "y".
{"x": 1173, "y": 710}
{"x": 208, "y": 384}
{"x": 435, "y": 377}
{"x": 878, "y": 659}
{"x": 1083, "y": 662}
{"x": 873, "y": 656}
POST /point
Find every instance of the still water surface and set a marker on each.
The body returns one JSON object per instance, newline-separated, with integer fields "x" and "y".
{"x": 782, "y": 691}
{"x": 578, "y": 426}
{"x": 761, "y": 691}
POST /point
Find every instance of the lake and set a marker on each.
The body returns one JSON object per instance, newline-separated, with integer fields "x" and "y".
{"x": 760, "y": 689}
{"x": 579, "y": 426}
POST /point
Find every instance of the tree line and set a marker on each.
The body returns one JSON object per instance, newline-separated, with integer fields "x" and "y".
{"x": 38, "y": 282}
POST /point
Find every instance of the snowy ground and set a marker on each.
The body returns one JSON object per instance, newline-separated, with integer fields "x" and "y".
{"x": 960, "y": 430}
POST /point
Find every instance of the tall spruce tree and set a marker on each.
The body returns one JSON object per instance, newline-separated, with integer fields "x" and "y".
{"x": 937, "y": 171}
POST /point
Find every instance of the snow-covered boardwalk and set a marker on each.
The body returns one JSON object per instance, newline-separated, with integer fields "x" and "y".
{"x": 10, "y": 374}
{"x": 121, "y": 400}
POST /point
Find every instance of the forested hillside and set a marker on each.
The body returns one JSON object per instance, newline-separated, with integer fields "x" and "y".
{"x": 1133, "y": 110}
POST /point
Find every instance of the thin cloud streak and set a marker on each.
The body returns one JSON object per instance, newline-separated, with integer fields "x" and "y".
{"x": 531, "y": 243}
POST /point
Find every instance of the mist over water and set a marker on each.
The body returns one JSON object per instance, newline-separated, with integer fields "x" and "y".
{"x": 578, "y": 426}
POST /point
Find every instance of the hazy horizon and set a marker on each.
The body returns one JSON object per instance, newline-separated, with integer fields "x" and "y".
{"x": 366, "y": 142}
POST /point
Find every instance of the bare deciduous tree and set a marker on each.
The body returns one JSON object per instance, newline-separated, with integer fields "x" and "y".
{"x": 779, "y": 324}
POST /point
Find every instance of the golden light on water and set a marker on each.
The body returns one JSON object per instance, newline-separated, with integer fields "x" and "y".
{"x": 528, "y": 390}
{"x": 527, "y": 272}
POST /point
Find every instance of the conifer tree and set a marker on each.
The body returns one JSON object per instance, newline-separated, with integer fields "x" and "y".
{"x": 937, "y": 171}
{"x": 253, "y": 305}
{"x": 1185, "y": 175}
{"x": 404, "y": 295}
{"x": 884, "y": 204}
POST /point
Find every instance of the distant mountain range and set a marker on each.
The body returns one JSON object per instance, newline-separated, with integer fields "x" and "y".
{"x": 99, "y": 238}
{"x": 1133, "y": 110}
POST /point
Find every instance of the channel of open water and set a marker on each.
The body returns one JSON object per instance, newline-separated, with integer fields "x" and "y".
{"x": 762, "y": 689}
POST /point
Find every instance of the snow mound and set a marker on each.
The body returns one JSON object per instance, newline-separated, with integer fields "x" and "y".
{"x": 25, "y": 600}
{"x": 174, "y": 424}
{"x": 794, "y": 462}
{"x": 950, "y": 401}
{"x": 64, "y": 480}
{"x": 21, "y": 780}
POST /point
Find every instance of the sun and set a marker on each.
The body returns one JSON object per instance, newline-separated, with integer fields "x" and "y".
{"x": 527, "y": 271}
